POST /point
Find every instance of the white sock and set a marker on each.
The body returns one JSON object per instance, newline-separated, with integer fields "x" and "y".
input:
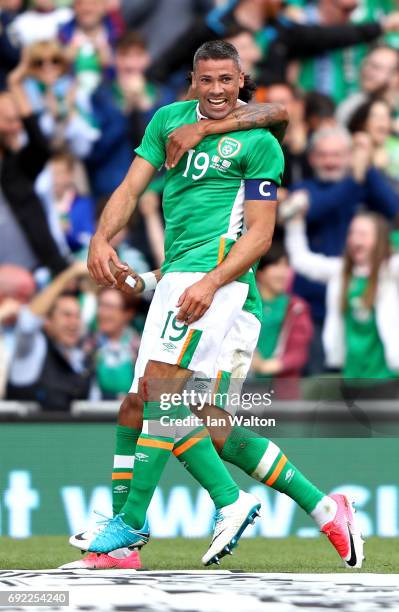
{"x": 325, "y": 511}
{"x": 120, "y": 553}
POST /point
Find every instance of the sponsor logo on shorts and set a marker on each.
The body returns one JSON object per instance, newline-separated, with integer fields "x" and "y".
{"x": 200, "y": 385}
{"x": 228, "y": 147}
{"x": 169, "y": 347}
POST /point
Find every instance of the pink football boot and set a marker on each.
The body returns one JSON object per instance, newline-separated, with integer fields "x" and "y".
{"x": 344, "y": 534}
{"x": 94, "y": 561}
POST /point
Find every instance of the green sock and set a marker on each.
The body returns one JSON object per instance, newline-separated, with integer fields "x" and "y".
{"x": 152, "y": 453}
{"x": 125, "y": 448}
{"x": 198, "y": 455}
{"x": 264, "y": 461}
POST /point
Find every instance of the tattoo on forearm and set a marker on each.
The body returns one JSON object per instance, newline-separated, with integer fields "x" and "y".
{"x": 271, "y": 116}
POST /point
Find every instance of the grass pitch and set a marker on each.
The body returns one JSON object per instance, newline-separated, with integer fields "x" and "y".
{"x": 253, "y": 555}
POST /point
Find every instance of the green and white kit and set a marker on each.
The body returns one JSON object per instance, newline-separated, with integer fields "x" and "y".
{"x": 203, "y": 207}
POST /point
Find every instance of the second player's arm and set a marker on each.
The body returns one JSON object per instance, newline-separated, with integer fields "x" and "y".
{"x": 114, "y": 217}
{"x": 260, "y": 219}
{"x": 273, "y": 117}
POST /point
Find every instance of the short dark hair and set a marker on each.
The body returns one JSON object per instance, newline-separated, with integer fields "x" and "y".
{"x": 129, "y": 41}
{"x": 217, "y": 50}
{"x": 273, "y": 256}
{"x": 68, "y": 293}
{"x": 65, "y": 157}
{"x": 319, "y": 105}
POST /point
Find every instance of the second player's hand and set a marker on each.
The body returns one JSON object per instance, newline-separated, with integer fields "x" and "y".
{"x": 100, "y": 255}
{"x": 195, "y": 301}
{"x": 180, "y": 141}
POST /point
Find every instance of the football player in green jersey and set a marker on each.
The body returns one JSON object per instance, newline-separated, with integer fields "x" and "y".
{"x": 204, "y": 307}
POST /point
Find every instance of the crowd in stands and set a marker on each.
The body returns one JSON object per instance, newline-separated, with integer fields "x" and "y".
{"x": 80, "y": 80}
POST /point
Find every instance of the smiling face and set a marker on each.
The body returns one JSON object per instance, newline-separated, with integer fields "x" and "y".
{"x": 63, "y": 324}
{"x": 330, "y": 157}
{"x": 47, "y": 61}
{"x": 361, "y": 240}
{"x": 217, "y": 83}
{"x": 379, "y": 70}
{"x": 112, "y": 314}
{"x": 379, "y": 122}
{"x": 274, "y": 278}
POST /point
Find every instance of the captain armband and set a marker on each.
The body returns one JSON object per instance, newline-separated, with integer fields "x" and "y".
{"x": 260, "y": 189}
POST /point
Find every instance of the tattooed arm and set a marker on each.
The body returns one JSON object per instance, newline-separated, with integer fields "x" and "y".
{"x": 273, "y": 117}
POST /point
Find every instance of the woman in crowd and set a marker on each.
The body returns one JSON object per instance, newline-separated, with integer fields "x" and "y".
{"x": 361, "y": 330}
{"x": 375, "y": 118}
{"x": 52, "y": 93}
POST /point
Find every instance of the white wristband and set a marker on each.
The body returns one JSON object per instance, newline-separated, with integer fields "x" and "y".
{"x": 150, "y": 281}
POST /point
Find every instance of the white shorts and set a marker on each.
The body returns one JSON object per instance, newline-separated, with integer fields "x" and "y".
{"x": 218, "y": 348}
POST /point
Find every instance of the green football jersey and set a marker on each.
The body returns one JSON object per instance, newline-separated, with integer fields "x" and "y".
{"x": 203, "y": 198}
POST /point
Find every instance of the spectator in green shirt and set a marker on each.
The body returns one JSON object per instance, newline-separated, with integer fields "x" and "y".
{"x": 361, "y": 329}
{"x": 286, "y": 330}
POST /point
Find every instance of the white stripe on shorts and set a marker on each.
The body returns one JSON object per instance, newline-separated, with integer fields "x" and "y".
{"x": 266, "y": 462}
{"x": 123, "y": 461}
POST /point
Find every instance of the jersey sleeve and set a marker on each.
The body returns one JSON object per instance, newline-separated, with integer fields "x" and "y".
{"x": 152, "y": 147}
{"x": 265, "y": 159}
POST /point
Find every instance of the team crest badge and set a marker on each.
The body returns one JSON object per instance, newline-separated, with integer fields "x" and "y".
{"x": 228, "y": 147}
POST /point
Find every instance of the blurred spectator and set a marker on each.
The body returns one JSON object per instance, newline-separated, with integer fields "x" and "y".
{"x": 150, "y": 17}
{"x": 344, "y": 180}
{"x": 361, "y": 331}
{"x": 41, "y": 22}
{"x": 16, "y": 283}
{"x": 281, "y": 41}
{"x": 150, "y": 209}
{"x": 375, "y": 120}
{"x": 9, "y": 49}
{"x": 286, "y": 330}
{"x": 116, "y": 343}
{"x": 121, "y": 111}
{"x": 49, "y": 366}
{"x": 89, "y": 39}
{"x": 297, "y": 165}
{"x": 319, "y": 111}
{"x": 71, "y": 215}
{"x": 25, "y": 236}
{"x": 16, "y": 288}
{"x": 54, "y": 98}
{"x": 249, "y": 52}
{"x": 336, "y": 74}
{"x": 379, "y": 76}
{"x": 132, "y": 255}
